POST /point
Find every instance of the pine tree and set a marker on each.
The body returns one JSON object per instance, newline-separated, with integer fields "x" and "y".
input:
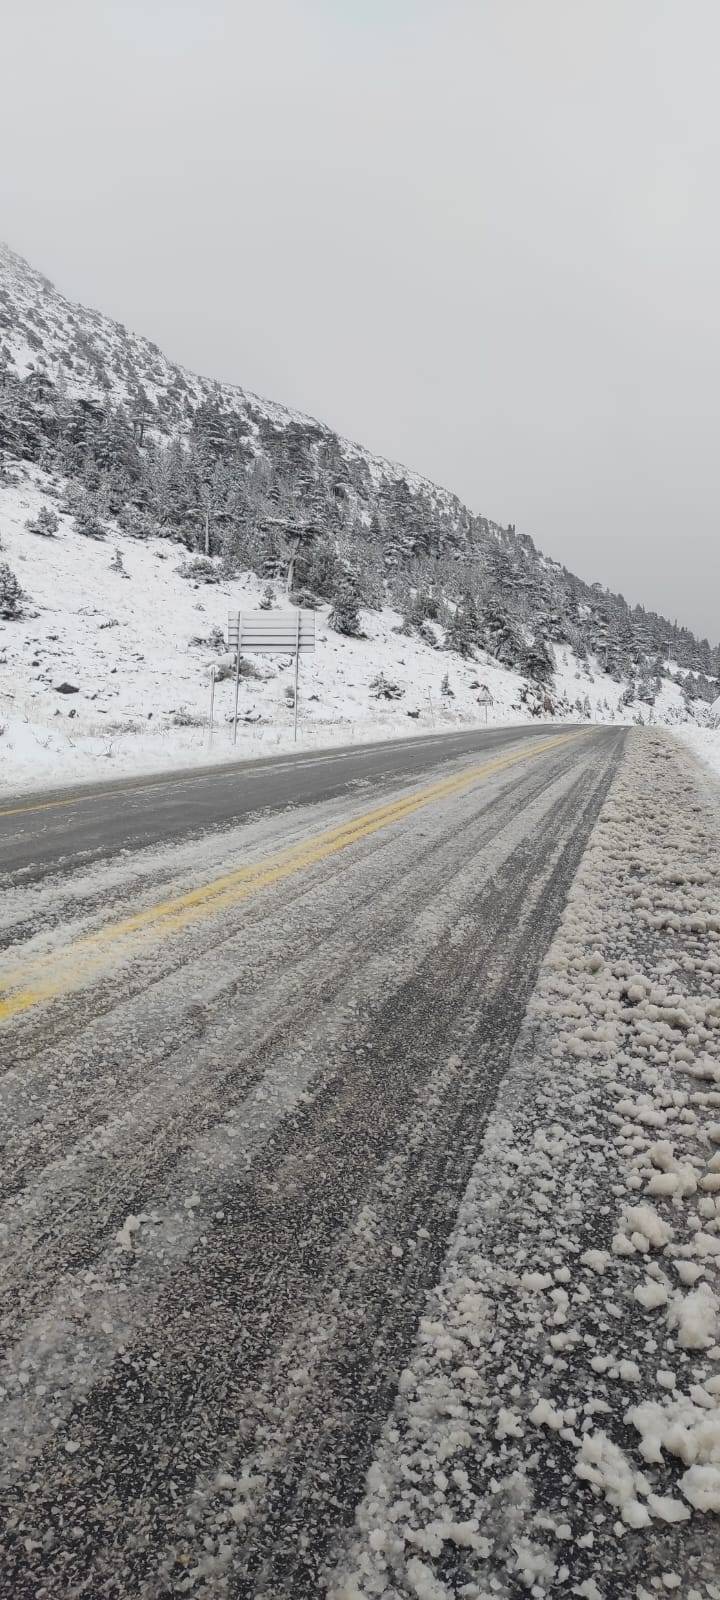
{"x": 316, "y": 567}
{"x": 463, "y": 627}
{"x": 382, "y": 688}
{"x": 537, "y": 661}
{"x": 11, "y": 594}
{"x": 46, "y": 522}
{"x": 345, "y": 615}
{"x": 500, "y": 634}
{"x": 135, "y": 522}
{"x": 88, "y": 520}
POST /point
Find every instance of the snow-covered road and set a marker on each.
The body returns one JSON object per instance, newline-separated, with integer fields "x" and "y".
{"x": 250, "y": 1096}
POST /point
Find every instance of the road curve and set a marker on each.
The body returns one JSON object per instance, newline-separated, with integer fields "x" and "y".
{"x": 245, "y": 1076}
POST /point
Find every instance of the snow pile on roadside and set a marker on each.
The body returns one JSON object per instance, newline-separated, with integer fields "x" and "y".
{"x": 705, "y": 743}
{"x": 557, "y": 1429}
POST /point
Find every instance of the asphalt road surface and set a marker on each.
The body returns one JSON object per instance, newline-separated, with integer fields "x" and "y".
{"x": 59, "y": 828}
{"x": 253, "y": 1024}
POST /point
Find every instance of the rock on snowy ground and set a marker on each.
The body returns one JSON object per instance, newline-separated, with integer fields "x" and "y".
{"x": 557, "y": 1429}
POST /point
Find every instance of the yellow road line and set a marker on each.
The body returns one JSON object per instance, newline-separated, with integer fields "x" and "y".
{"x": 61, "y": 973}
{"x": 51, "y": 805}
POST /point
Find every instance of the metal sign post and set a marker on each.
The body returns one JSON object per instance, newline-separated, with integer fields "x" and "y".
{"x": 297, "y": 676}
{"x": 237, "y": 673}
{"x": 485, "y": 699}
{"x": 212, "y": 704}
{"x": 271, "y": 633}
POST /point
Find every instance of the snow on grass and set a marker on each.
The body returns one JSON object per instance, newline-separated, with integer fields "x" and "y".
{"x": 563, "y": 1396}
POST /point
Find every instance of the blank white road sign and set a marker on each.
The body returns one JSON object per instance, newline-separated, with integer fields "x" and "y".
{"x": 271, "y": 633}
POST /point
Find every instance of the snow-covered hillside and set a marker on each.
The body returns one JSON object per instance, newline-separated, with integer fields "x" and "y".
{"x": 91, "y": 355}
{"x": 108, "y": 670}
{"x": 120, "y": 450}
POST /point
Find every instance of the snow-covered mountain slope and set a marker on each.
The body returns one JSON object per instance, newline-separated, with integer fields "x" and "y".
{"x": 108, "y": 669}
{"x": 93, "y": 356}
{"x": 119, "y": 448}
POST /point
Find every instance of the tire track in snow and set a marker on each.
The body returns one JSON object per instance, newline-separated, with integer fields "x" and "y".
{"x": 80, "y": 1199}
{"x": 173, "y": 1041}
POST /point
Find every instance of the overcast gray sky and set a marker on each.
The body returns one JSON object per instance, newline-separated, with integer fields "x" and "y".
{"x": 480, "y": 236}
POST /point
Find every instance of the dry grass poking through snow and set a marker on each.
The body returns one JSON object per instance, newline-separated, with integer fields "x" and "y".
{"x": 558, "y": 1427}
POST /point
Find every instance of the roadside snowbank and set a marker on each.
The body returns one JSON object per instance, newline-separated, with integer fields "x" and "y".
{"x": 705, "y": 743}
{"x": 32, "y": 757}
{"x": 558, "y": 1424}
